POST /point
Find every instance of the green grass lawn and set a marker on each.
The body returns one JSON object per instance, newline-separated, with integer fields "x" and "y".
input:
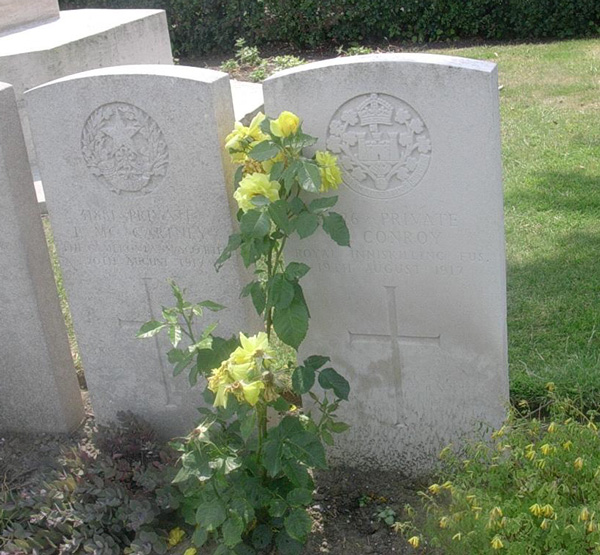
{"x": 550, "y": 109}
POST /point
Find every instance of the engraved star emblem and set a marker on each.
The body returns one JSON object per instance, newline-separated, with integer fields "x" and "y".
{"x": 121, "y": 133}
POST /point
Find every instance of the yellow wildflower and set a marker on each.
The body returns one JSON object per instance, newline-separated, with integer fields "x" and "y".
{"x": 567, "y": 445}
{"x": 499, "y": 433}
{"x": 497, "y": 542}
{"x": 592, "y": 527}
{"x": 545, "y": 524}
{"x": 495, "y": 513}
{"x": 447, "y": 485}
{"x": 254, "y": 185}
{"x": 550, "y": 386}
{"x": 530, "y": 455}
{"x": 414, "y": 541}
{"x": 434, "y": 488}
{"x": 546, "y": 448}
{"x": 547, "y": 510}
{"x": 536, "y": 509}
{"x": 552, "y": 427}
{"x": 584, "y": 515}
{"x": 331, "y": 176}
{"x": 285, "y": 125}
{"x": 175, "y": 536}
{"x": 444, "y": 522}
{"x": 578, "y": 464}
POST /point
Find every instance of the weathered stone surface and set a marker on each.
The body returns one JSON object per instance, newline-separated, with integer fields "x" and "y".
{"x": 134, "y": 173}
{"x": 415, "y": 311}
{"x": 38, "y": 385}
{"x": 81, "y": 40}
{"x": 19, "y": 13}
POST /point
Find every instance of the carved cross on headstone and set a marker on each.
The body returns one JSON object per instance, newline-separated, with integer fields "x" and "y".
{"x": 395, "y": 339}
{"x": 136, "y": 324}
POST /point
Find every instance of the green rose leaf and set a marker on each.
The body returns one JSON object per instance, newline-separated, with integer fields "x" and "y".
{"x": 330, "y": 379}
{"x": 303, "y": 379}
{"x": 297, "y": 473}
{"x": 298, "y": 524}
{"x": 309, "y": 176}
{"x": 281, "y": 292}
{"x": 316, "y": 361}
{"x": 150, "y": 329}
{"x": 306, "y": 224}
{"x": 174, "y": 334}
{"x": 276, "y": 171}
{"x": 211, "y": 515}
{"x": 307, "y": 448}
{"x": 291, "y": 322}
{"x": 337, "y": 427}
{"x": 233, "y": 244}
{"x": 322, "y": 204}
{"x": 258, "y": 297}
{"x": 296, "y": 270}
{"x": 265, "y": 150}
{"x": 335, "y": 226}
{"x": 255, "y": 224}
{"x": 289, "y": 175}
{"x": 297, "y": 205}
{"x": 279, "y": 214}
{"x": 212, "y": 306}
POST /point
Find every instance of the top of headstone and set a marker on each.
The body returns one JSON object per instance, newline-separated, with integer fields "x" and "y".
{"x": 153, "y": 70}
{"x": 15, "y": 14}
{"x": 429, "y": 59}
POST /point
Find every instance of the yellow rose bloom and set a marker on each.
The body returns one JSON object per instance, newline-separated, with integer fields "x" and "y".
{"x": 254, "y": 185}
{"x": 285, "y": 125}
{"x": 267, "y": 165}
{"x": 242, "y": 138}
{"x": 331, "y": 176}
{"x": 251, "y": 391}
{"x": 251, "y": 347}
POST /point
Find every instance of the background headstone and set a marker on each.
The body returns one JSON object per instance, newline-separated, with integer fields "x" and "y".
{"x": 17, "y": 13}
{"x": 415, "y": 311}
{"x": 79, "y": 40}
{"x": 133, "y": 166}
{"x": 39, "y": 391}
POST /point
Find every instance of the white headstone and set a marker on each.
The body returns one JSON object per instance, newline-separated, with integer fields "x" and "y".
{"x": 39, "y": 391}
{"x": 19, "y": 13}
{"x": 80, "y": 40}
{"x": 135, "y": 177}
{"x": 415, "y": 311}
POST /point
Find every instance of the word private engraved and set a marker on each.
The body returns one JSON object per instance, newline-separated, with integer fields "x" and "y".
{"x": 383, "y": 145}
{"x": 124, "y": 148}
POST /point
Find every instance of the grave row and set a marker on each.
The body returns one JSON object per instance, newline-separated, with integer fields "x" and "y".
{"x": 138, "y": 187}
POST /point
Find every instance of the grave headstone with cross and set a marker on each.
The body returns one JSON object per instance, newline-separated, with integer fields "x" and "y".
{"x": 136, "y": 184}
{"x": 414, "y": 312}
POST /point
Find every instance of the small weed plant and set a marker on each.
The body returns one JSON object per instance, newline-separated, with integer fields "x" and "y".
{"x": 533, "y": 489}
{"x": 245, "y": 484}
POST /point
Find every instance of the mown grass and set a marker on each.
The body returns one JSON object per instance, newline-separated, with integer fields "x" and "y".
{"x": 550, "y": 109}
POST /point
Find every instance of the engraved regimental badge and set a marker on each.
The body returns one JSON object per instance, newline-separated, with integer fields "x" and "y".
{"x": 382, "y": 143}
{"x": 124, "y": 148}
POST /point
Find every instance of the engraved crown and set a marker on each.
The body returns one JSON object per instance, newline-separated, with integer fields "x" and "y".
{"x": 374, "y": 110}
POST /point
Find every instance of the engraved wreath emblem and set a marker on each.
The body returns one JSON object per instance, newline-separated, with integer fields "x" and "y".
{"x": 124, "y": 148}
{"x": 382, "y": 143}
